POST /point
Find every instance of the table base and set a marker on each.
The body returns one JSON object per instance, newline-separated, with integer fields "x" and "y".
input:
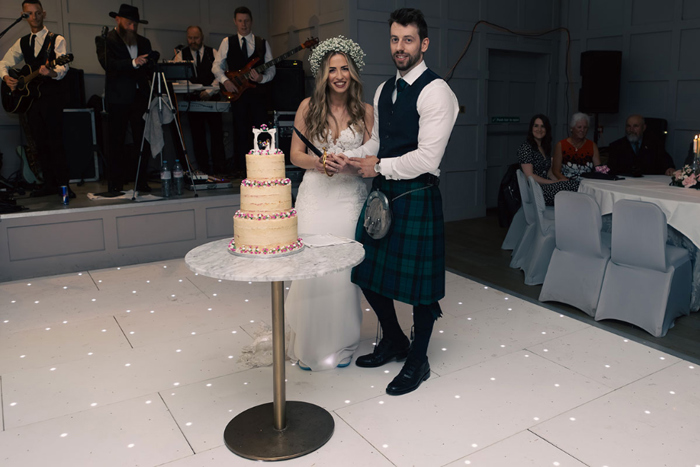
{"x": 251, "y": 434}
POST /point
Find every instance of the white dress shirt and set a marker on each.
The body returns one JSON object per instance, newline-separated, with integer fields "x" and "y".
{"x": 220, "y": 66}
{"x": 437, "y": 109}
{"x": 15, "y": 56}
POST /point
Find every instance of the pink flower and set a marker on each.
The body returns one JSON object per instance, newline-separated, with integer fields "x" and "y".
{"x": 603, "y": 169}
{"x": 690, "y": 181}
{"x": 678, "y": 174}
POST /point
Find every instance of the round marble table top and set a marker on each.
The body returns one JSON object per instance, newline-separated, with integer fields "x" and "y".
{"x": 214, "y": 260}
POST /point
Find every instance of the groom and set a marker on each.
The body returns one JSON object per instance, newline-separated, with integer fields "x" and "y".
{"x": 414, "y": 113}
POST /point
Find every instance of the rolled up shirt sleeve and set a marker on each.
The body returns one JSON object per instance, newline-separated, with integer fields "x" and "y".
{"x": 219, "y": 68}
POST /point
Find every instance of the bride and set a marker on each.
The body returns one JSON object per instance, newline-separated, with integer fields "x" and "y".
{"x": 324, "y": 313}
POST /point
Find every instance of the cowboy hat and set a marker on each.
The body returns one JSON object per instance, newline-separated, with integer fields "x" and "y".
{"x": 128, "y": 12}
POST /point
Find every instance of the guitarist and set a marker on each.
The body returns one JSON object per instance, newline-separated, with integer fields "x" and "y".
{"x": 45, "y": 116}
{"x": 251, "y": 108}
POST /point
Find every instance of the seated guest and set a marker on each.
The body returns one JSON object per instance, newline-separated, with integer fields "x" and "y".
{"x": 535, "y": 160}
{"x": 637, "y": 154}
{"x": 203, "y": 57}
{"x": 575, "y": 155}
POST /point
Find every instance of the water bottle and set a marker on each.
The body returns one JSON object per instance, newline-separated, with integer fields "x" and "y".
{"x": 178, "y": 181}
{"x": 165, "y": 180}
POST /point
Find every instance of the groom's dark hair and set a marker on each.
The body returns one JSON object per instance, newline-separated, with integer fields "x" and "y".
{"x": 406, "y": 16}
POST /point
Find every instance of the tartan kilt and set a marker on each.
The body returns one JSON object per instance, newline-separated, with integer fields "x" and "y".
{"x": 408, "y": 264}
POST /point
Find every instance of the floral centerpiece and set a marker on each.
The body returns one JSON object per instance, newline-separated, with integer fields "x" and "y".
{"x": 685, "y": 177}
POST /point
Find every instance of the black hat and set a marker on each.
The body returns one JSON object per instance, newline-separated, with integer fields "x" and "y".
{"x": 128, "y": 12}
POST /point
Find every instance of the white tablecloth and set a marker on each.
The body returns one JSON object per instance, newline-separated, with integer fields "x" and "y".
{"x": 681, "y": 205}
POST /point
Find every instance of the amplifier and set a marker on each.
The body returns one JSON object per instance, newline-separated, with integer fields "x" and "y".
{"x": 283, "y": 120}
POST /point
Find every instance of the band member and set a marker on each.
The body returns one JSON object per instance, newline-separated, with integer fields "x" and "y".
{"x": 415, "y": 111}
{"x": 45, "y": 116}
{"x": 203, "y": 57}
{"x": 250, "y": 109}
{"x": 128, "y": 69}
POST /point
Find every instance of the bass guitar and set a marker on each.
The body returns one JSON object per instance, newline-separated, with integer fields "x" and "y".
{"x": 241, "y": 78}
{"x": 20, "y": 100}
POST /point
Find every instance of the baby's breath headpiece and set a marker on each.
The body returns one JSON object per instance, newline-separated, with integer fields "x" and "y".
{"x": 337, "y": 44}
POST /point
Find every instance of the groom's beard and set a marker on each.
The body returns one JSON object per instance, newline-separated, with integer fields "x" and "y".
{"x": 127, "y": 35}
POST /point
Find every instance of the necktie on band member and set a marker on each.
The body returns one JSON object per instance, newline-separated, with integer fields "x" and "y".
{"x": 197, "y": 58}
{"x": 244, "y": 48}
{"x": 32, "y": 43}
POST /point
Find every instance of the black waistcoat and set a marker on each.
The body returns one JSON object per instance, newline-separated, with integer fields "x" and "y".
{"x": 399, "y": 121}
{"x": 204, "y": 73}
{"x": 235, "y": 60}
{"x": 47, "y": 52}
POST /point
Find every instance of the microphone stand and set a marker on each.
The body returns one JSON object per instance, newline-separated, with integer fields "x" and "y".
{"x": 12, "y": 25}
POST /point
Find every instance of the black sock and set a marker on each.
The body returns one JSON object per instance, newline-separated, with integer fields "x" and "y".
{"x": 424, "y": 317}
{"x": 386, "y": 314}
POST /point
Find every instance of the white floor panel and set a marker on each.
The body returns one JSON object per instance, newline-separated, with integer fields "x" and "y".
{"x": 137, "y": 432}
{"x": 345, "y": 449}
{"x": 60, "y": 343}
{"x": 604, "y": 357}
{"x": 463, "y": 297}
{"x": 452, "y": 416}
{"x": 204, "y": 409}
{"x": 652, "y": 422}
{"x": 476, "y": 337}
{"x": 522, "y": 450}
{"x": 33, "y": 395}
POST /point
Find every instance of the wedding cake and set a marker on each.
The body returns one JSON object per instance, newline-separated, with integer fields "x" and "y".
{"x": 266, "y": 224}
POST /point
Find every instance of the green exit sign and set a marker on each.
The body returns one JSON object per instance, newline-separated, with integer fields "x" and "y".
{"x": 505, "y": 119}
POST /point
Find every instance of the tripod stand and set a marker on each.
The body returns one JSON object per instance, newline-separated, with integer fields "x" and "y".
{"x": 163, "y": 102}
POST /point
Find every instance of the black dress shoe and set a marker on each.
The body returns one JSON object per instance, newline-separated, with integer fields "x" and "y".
{"x": 383, "y": 353}
{"x": 71, "y": 194}
{"x": 409, "y": 378}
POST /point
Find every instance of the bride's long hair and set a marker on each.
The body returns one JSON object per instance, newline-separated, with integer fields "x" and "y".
{"x": 316, "y": 119}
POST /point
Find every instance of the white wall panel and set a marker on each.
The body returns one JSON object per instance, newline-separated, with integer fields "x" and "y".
{"x": 462, "y": 151}
{"x": 605, "y": 43}
{"x": 503, "y": 12}
{"x": 376, "y": 33}
{"x": 652, "y": 11}
{"x": 171, "y": 13}
{"x": 463, "y": 10}
{"x": 649, "y": 52}
{"x": 691, "y": 9}
{"x": 604, "y": 14}
{"x": 538, "y": 14}
{"x": 81, "y": 40}
{"x": 467, "y": 92}
{"x": 376, "y": 5}
{"x": 689, "y": 60}
{"x": 456, "y": 41}
{"x": 687, "y": 99}
{"x": 649, "y": 98}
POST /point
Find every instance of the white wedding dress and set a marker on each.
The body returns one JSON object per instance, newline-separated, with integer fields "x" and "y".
{"x": 324, "y": 313}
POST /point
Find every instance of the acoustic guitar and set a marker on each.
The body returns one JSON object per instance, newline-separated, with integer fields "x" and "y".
{"x": 20, "y": 100}
{"x": 241, "y": 78}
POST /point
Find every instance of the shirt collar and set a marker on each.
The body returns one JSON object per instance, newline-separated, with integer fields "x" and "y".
{"x": 249, "y": 38}
{"x": 41, "y": 34}
{"x": 414, "y": 74}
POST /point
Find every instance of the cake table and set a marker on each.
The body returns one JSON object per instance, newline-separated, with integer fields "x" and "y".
{"x": 281, "y": 429}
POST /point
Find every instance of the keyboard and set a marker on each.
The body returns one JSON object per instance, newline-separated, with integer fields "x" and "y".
{"x": 203, "y": 106}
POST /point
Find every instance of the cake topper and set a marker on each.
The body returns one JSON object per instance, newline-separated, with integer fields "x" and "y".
{"x": 265, "y": 144}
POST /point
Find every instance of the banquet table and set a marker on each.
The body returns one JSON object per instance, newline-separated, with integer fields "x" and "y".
{"x": 680, "y": 205}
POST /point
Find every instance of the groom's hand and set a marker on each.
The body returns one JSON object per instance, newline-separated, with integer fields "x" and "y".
{"x": 365, "y": 166}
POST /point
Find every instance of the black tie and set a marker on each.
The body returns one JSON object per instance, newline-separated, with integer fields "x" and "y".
{"x": 400, "y": 86}
{"x": 197, "y": 59}
{"x": 244, "y": 48}
{"x": 32, "y": 41}
{"x": 635, "y": 146}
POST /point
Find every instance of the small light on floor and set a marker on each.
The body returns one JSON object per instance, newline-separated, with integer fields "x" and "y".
{"x": 165, "y": 267}
{"x": 6, "y": 321}
{"x": 536, "y": 419}
{"x": 250, "y": 282}
{"x": 94, "y": 300}
{"x": 372, "y": 387}
{"x": 22, "y": 356}
{"x": 209, "y": 309}
{"x": 572, "y": 419}
{"x": 214, "y": 294}
{"x": 131, "y": 445}
{"x": 219, "y": 280}
{"x": 252, "y": 320}
{"x": 52, "y": 369}
{"x": 80, "y": 274}
{"x": 444, "y": 349}
{"x": 230, "y": 356}
{"x": 208, "y": 385}
{"x": 493, "y": 379}
{"x": 93, "y": 404}
{"x": 65, "y": 288}
{"x": 691, "y": 367}
{"x": 104, "y": 330}
{"x": 245, "y": 384}
{"x": 234, "y": 332}
{"x": 100, "y": 281}
{"x": 148, "y": 282}
{"x": 246, "y": 300}
{"x": 36, "y": 302}
{"x": 556, "y": 385}
{"x": 29, "y": 283}
{"x": 607, "y": 366}
{"x": 347, "y": 401}
{"x": 48, "y": 329}
{"x": 133, "y": 291}
{"x": 178, "y": 350}
{"x": 385, "y": 446}
{"x": 662, "y": 358}
{"x": 502, "y": 345}
{"x": 188, "y": 424}
{"x": 178, "y": 281}
{"x": 89, "y": 353}
{"x": 546, "y": 350}
{"x": 173, "y": 295}
{"x": 366, "y": 309}
{"x": 172, "y": 393}
{"x": 459, "y": 303}
{"x": 486, "y": 287}
{"x": 132, "y": 332}
{"x": 468, "y": 462}
{"x": 527, "y": 355}
{"x": 286, "y": 288}
{"x": 672, "y": 392}
{"x": 555, "y": 463}
{"x": 176, "y": 384}
{"x": 128, "y": 311}
{"x": 381, "y": 402}
{"x": 12, "y": 404}
{"x": 647, "y": 412}
{"x": 506, "y": 298}
{"x": 625, "y": 340}
{"x": 63, "y": 435}
{"x": 193, "y": 333}
{"x": 475, "y": 445}
{"x": 65, "y": 322}
{"x": 148, "y": 402}
{"x": 510, "y": 309}
{"x": 544, "y": 332}
{"x": 469, "y": 319}
{"x": 386, "y": 371}
{"x": 128, "y": 364}
{"x": 457, "y": 396}
{"x": 152, "y": 311}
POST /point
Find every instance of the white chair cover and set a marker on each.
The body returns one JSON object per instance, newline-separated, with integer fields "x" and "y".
{"x": 576, "y": 270}
{"x": 647, "y": 283}
{"x": 523, "y": 250}
{"x": 543, "y": 242}
{"x": 515, "y": 231}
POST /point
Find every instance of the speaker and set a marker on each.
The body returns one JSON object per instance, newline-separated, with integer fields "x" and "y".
{"x": 600, "y": 81}
{"x": 80, "y": 143}
{"x": 288, "y": 87}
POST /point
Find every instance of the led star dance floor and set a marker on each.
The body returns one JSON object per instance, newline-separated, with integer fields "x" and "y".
{"x": 140, "y": 366}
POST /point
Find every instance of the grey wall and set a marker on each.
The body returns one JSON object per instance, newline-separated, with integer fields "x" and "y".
{"x": 79, "y": 21}
{"x": 660, "y": 67}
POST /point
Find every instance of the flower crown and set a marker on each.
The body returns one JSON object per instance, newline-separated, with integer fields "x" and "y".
{"x": 337, "y": 44}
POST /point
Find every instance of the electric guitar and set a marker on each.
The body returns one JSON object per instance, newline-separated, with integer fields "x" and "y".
{"x": 20, "y": 100}
{"x": 241, "y": 78}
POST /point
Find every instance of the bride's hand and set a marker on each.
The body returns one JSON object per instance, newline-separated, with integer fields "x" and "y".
{"x": 338, "y": 163}
{"x": 318, "y": 165}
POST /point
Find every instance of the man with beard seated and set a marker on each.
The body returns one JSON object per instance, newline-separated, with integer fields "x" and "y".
{"x": 127, "y": 90}
{"x": 636, "y": 154}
